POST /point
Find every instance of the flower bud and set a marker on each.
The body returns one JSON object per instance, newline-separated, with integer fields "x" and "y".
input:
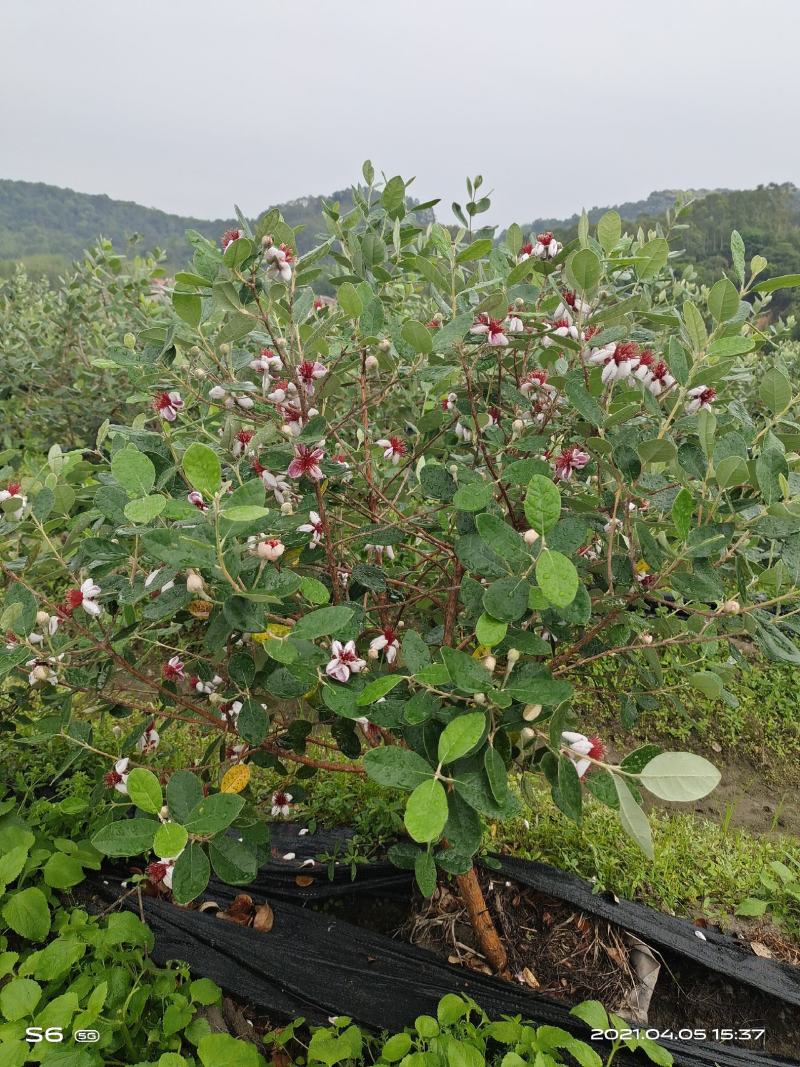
{"x": 453, "y": 468}
{"x": 164, "y": 813}
{"x": 517, "y": 425}
{"x": 216, "y": 392}
{"x": 194, "y": 350}
{"x": 373, "y": 653}
{"x": 531, "y": 712}
{"x": 646, "y": 639}
{"x": 286, "y": 508}
{"x": 512, "y": 656}
{"x": 384, "y": 345}
{"x": 199, "y": 372}
{"x": 479, "y": 698}
{"x": 40, "y": 673}
{"x": 225, "y": 349}
{"x": 371, "y": 363}
{"x": 266, "y": 240}
{"x": 526, "y": 735}
{"x": 519, "y": 303}
{"x": 194, "y": 582}
{"x": 117, "y": 730}
{"x": 530, "y": 537}
{"x": 732, "y": 607}
{"x": 42, "y": 618}
{"x": 489, "y": 663}
{"x": 129, "y": 340}
{"x": 216, "y": 698}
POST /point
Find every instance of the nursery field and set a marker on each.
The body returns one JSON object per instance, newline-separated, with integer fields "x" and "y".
{"x": 408, "y": 674}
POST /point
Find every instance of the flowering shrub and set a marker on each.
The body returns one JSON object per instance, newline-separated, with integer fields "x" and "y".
{"x": 385, "y": 535}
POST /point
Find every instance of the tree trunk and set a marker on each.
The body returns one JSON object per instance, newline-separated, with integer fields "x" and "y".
{"x": 472, "y": 896}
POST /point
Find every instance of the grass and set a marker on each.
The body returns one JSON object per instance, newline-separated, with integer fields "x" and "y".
{"x": 757, "y": 719}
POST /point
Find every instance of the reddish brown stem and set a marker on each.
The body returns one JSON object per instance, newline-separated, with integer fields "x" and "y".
{"x": 471, "y": 894}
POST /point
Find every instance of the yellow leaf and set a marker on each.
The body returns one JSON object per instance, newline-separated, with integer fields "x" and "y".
{"x": 235, "y": 778}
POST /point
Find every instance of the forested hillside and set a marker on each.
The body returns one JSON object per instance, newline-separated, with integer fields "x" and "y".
{"x": 47, "y": 227}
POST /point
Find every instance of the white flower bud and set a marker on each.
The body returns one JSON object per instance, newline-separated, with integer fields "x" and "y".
{"x": 732, "y": 607}
{"x": 216, "y": 392}
{"x": 42, "y": 618}
{"x": 530, "y": 537}
{"x": 373, "y": 653}
{"x": 384, "y": 345}
{"x": 286, "y": 508}
{"x": 200, "y": 372}
{"x": 531, "y": 712}
{"x": 194, "y": 582}
{"x": 453, "y": 468}
{"x": 646, "y": 639}
{"x": 164, "y": 813}
{"x": 40, "y": 673}
{"x": 371, "y": 363}
{"x": 512, "y": 656}
{"x": 489, "y": 663}
{"x": 517, "y": 425}
{"x": 479, "y": 698}
{"x": 526, "y": 735}
{"x": 194, "y": 351}
{"x": 225, "y": 349}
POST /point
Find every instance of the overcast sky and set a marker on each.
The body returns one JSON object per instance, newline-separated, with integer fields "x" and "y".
{"x": 190, "y": 105}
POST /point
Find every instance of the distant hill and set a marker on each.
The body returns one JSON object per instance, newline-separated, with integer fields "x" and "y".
{"x": 47, "y": 227}
{"x": 656, "y": 204}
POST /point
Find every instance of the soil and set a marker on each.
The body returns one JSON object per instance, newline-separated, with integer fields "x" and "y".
{"x": 562, "y": 953}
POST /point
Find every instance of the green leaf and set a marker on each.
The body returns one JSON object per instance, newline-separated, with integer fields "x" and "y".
{"x": 145, "y": 508}
{"x": 542, "y": 504}
{"x": 490, "y": 631}
{"x": 557, "y": 577}
{"x": 144, "y": 790}
{"x": 322, "y": 622}
{"x": 474, "y": 497}
{"x": 633, "y": 819}
{"x": 233, "y": 861}
{"x": 583, "y": 401}
{"x": 426, "y": 811}
{"x": 586, "y": 269}
{"x": 507, "y": 599}
{"x": 775, "y": 390}
{"x": 378, "y": 688}
{"x": 771, "y": 467}
{"x": 191, "y": 873}
{"x": 533, "y": 683}
{"x": 460, "y": 735}
{"x": 253, "y": 722}
{"x": 28, "y": 915}
{"x": 651, "y": 258}
{"x": 349, "y": 301}
{"x": 477, "y": 250}
{"x": 237, "y": 252}
{"x": 496, "y": 773}
{"x": 202, "y": 469}
{"x": 18, "y": 999}
{"x": 62, "y": 872}
{"x": 682, "y": 511}
{"x": 133, "y": 470}
{"x": 12, "y": 862}
{"x": 785, "y": 281}
{"x": 695, "y": 327}
{"x": 244, "y": 513}
{"x": 188, "y": 306}
{"x": 466, "y": 673}
{"x": 503, "y": 540}
{"x": 184, "y": 792}
{"x": 737, "y": 255}
{"x": 609, "y": 230}
{"x": 425, "y": 874}
{"x": 214, "y": 813}
{"x": 170, "y": 840}
{"x": 752, "y": 907}
{"x": 567, "y": 794}
{"x": 222, "y": 1050}
{"x": 706, "y": 682}
{"x": 679, "y": 776}
{"x": 314, "y": 591}
{"x": 396, "y": 768}
{"x": 393, "y": 198}
{"x": 723, "y": 300}
{"x": 658, "y": 450}
{"x": 415, "y": 653}
{"x": 127, "y": 837}
{"x": 417, "y": 335}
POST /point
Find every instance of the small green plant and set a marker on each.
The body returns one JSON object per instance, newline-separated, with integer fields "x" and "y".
{"x": 463, "y": 1034}
{"x": 779, "y": 894}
